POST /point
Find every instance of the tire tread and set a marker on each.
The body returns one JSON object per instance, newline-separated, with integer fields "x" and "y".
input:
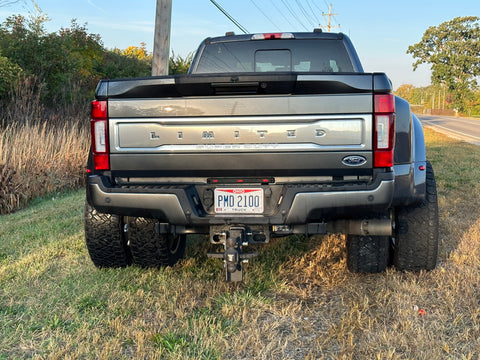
{"x": 105, "y": 240}
{"x": 150, "y": 249}
{"x": 416, "y": 243}
{"x": 367, "y": 254}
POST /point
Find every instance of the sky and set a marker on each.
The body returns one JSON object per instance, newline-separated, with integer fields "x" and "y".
{"x": 380, "y": 30}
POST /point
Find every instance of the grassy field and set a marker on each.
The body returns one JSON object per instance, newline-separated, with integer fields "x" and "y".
{"x": 298, "y": 301}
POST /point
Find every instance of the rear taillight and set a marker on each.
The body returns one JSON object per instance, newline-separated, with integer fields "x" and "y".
{"x": 99, "y": 129}
{"x": 384, "y": 130}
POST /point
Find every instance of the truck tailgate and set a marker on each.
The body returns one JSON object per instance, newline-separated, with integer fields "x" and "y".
{"x": 276, "y": 125}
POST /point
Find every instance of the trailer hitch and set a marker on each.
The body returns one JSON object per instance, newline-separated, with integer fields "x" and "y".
{"x": 233, "y": 256}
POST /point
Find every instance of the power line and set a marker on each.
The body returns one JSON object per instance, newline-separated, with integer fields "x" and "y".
{"x": 305, "y": 13}
{"x": 245, "y": 31}
{"x": 294, "y": 15}
{"x": 336, "y": 21}
{"x": 269, "y": 19}
{"x": 315, "y": 4}
{"x": 313, "y": 12}
{"x": 274, "y": 4}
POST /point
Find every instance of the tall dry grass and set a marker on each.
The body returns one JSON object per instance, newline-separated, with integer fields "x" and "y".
{"x": 37, "y": 160}
{"x": 40, "y": 151}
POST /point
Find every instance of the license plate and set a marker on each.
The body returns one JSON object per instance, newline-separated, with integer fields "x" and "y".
{"x": 239, "y": 200}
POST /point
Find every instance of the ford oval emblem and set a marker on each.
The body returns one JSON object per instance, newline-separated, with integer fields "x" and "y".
{"x": 354, "y": 160}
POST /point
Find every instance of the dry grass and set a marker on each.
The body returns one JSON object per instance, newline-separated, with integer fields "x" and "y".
{"x": 298, "y": 301}
{"x": 41, "y": 151}
{"x": 36, "y": 160}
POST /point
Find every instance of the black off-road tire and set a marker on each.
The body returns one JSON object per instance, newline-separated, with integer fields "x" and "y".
{"x": 150, "y": 249}
{"x": 416, "y": 233}
{"x": 367, "y": 254}
{"x": 105, "y": 239}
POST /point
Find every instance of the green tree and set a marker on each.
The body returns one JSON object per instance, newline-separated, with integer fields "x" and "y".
{"x": 178, "y": 64}
{"x": 63, "y": 67}
{"x": 453, "y": 50}
{"x": 116, "y": 65}
{"x": 21, "y": 41}
{"x": 82, "y": 55}
{"x": 476, "y": 104}
{"x": 133, "y": 61}
{"x": 9, "y": 73}
{"x": 404, "y": 91}
{"x": 66, "y": 63}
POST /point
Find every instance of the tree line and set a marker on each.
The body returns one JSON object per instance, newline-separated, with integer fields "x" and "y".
{"x": 65, "y": 66}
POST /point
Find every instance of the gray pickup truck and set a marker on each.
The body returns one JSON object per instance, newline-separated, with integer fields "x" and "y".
{"x": 268, "y": 135}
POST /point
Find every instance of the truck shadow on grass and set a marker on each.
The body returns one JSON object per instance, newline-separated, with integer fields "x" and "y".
{"x": 320, "y": 260}
{"x": 281, "y": 260}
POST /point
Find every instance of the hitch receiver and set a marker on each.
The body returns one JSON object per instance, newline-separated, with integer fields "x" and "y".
{"x": 233, "y": 257}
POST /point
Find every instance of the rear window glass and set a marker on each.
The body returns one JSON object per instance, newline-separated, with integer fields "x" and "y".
{"x": 300, "y": 55}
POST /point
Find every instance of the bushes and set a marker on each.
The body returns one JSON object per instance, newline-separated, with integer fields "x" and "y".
{"x": 178, "y": 64}
{"x": 9, "y": 73}
{"x": 59, "y": 60}
{"x": 67, "y": 64}
{"x": 118, "y": 65}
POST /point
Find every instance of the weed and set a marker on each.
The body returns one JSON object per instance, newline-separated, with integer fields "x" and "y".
{"x": 170, "y": 341}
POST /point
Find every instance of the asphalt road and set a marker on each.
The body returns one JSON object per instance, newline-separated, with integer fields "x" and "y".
{"x": 460, "y": 128}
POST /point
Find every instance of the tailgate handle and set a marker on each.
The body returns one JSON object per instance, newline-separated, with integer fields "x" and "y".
{"x": 236, "y": 87}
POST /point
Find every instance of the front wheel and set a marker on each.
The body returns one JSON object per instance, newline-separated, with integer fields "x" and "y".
{"x": 416, "y": 231}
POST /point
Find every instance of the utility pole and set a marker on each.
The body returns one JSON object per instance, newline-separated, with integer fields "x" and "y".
{"x": 161, "y": 41}
{"x": 330, "y": 14}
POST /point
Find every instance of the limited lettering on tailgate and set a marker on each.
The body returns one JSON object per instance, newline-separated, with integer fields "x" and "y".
{"x": 239, "y": 200}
